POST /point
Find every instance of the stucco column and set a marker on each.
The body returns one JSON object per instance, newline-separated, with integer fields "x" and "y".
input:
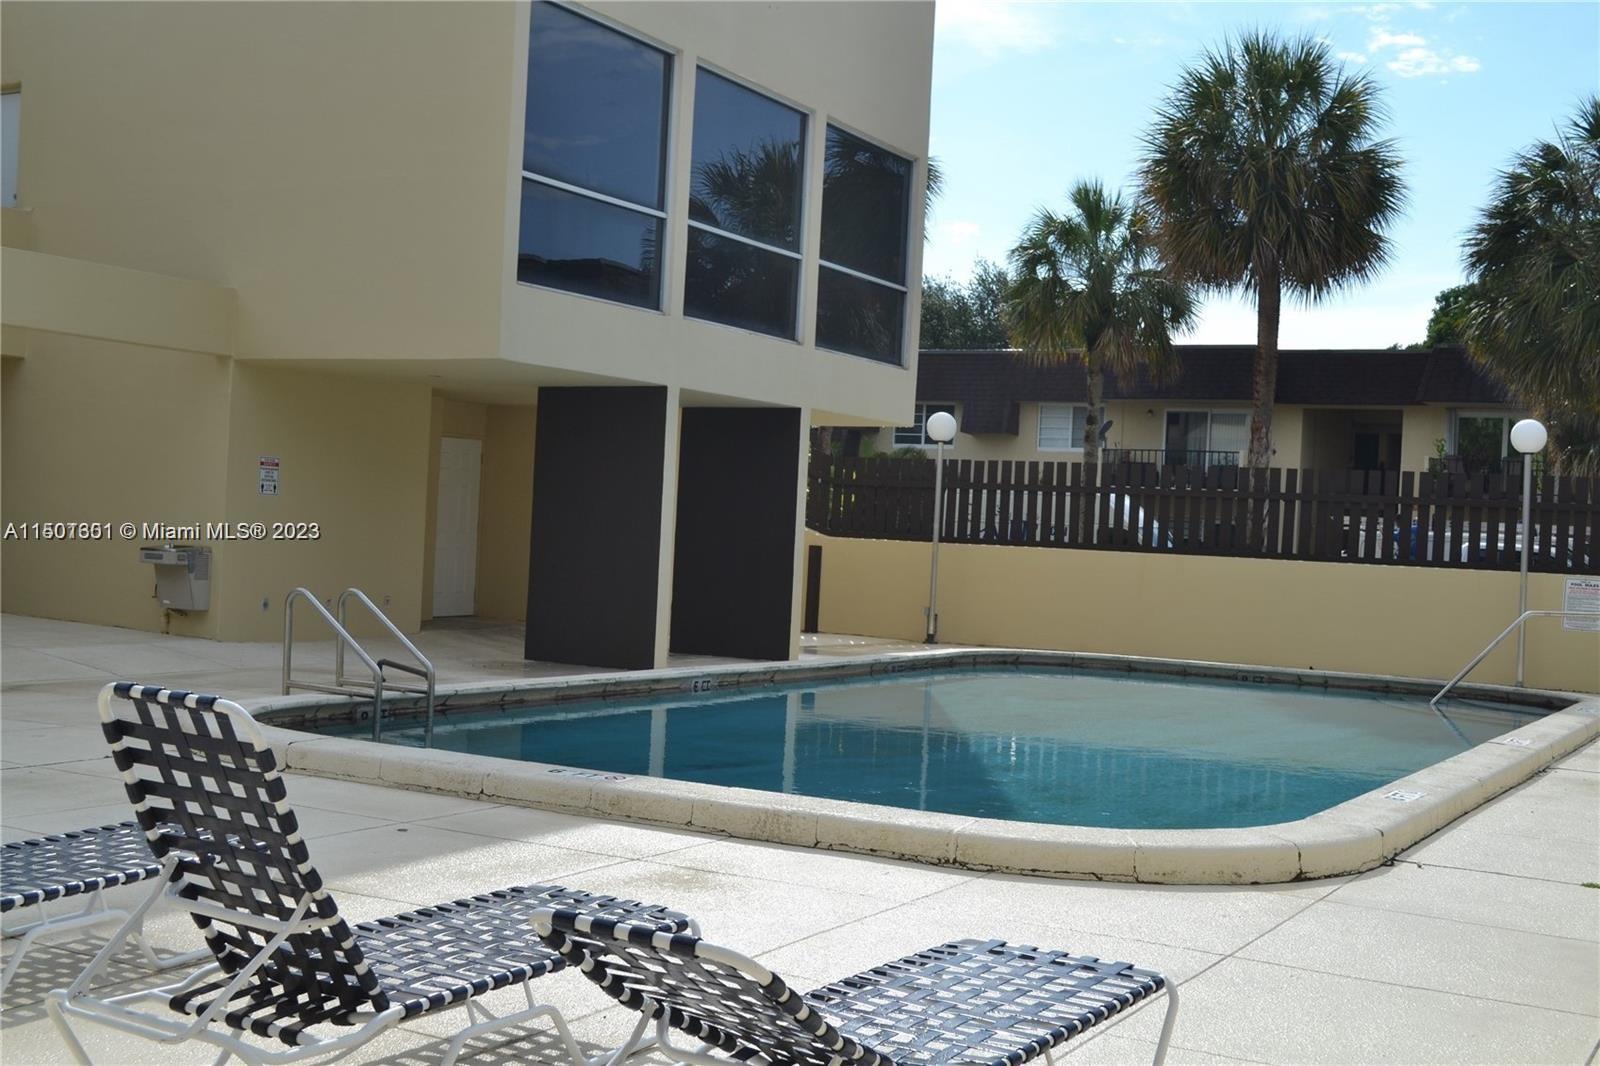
{"x": 669, "y": 525}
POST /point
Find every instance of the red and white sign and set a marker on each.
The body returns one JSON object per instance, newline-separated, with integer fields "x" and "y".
{"x": 267, "y": 475}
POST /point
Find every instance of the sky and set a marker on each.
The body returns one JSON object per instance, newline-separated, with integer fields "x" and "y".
{"x": 1030, "y": 97}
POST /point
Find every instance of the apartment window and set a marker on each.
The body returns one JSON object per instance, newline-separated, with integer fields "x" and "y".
{"x": 744, "y": 208}
{"x": 861, "y": 288}
{"x": 1061, "y": 426}
{"x": 1483, "y": 439}
{"x": 1206, "y": 438}
{"x": 10, "y": 131}
{"x": 916, "y": 434}
{"x": 593, "y": 160}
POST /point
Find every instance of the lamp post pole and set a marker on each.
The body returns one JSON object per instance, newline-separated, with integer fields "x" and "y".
{"x": 1528, "y": 437}
{"x": 933, "y": 568}
{"x": 941, "y": 429}
{"x": 1522, "y": 588}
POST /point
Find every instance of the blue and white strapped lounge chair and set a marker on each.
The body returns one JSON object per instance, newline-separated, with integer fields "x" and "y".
{"x": 969, "y": 1001}
{"x": 84, "y": 862}
{"x": 212, "y": 804}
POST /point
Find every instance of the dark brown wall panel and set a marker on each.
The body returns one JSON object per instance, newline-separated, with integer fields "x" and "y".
{"x": 595, "y": 549}
{"x": 733, "y": 575}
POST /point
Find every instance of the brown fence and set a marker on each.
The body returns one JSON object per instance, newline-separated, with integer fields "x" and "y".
{"x": 1413, "y": 519}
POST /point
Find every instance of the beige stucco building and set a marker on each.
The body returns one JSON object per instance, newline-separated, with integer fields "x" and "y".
{"x": 375, "y": 248}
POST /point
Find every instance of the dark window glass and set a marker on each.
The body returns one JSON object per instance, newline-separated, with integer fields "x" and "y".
{"x": 859, "y": 317}
{"x": 740, "y": 285}
{"x": 865, "y": 194}
{"x": 597, "y": 107}
{"x": 747, "y": 162}
{"x": 572, "y": 242}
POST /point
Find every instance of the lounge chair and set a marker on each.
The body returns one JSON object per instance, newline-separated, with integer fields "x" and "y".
{"x": 83, "y": 862}
{"x": 212, "y": 803}
{"x": 966, "y": 1001}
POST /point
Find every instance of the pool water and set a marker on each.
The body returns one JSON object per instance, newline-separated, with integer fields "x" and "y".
{"x": 1026, "y": 745}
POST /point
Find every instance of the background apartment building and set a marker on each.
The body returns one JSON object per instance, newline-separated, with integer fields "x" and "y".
{"x": 529, "y": 306}
{"x": 1335, "y": 409}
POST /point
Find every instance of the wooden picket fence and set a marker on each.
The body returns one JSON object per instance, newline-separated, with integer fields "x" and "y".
{"x": 1411, "y": 519}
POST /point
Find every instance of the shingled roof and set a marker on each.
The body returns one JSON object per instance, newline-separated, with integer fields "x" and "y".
{"x": 990, "y": 385}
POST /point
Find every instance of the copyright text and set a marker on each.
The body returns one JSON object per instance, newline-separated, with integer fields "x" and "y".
{"x": 162, "y": 532}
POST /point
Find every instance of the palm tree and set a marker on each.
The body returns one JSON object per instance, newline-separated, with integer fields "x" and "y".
{"x": 1533, "y": 307}
{"x": 1264, "y": 174}
{"x": 1088, "y": 284}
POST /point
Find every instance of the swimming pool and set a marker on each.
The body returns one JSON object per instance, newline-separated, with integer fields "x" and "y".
{"x": 1021, "y": 744}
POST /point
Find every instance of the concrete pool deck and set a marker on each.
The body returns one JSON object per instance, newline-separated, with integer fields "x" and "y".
{"x": 1478, "y": 945}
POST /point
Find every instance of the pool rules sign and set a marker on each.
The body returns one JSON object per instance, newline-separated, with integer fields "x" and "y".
{"x": 267, "y": 475}
{"x": 1583, "y": 594}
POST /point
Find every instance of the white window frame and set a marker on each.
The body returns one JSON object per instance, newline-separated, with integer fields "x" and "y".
{"x": 922, "y": 411}
{"x": 799, "y": 254}
{"x": 1507, "y": 418}
{"x": 1209, "y": 412}
{"x": 904, "y": 290}
{"x": 1080, "y": 415}
{"x": 668, "y": 161}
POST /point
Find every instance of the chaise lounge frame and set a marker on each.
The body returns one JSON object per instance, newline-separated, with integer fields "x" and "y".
{"x": 212, "y": 803}
{"x": 83, "y": 862}
{"x": 965, "y": 1001}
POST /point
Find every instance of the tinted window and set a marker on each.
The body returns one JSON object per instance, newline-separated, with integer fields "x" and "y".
{"x": 583, "y": 245}
{"x": 747, "y": 162}
{"x": 740, "y": 285}
{"x": 597, "y": 104}
{"x": 865, "y": 195}
{"x": 860, "y": 317}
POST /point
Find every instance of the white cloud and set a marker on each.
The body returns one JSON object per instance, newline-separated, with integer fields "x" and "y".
{"x": 1422, "y": 62}
{"x": 1352, "y": 57}
{"x": 1412, "y": 58}
{"x": 951, "y": 249}
{"x": 958, "y": 229}
{"x": 1382, "y": 38}
{"x": 992, "y": 27}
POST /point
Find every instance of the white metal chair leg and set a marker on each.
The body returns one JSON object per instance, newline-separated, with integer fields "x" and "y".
{"x": 94, "y": 912}
{"x": 158, "y": 962}
{"x": 491, "y": 1023}
{"x": 620, "y": 1053}
{"x": 52, "y": 1007}
{"x": 1166, "y": 1025}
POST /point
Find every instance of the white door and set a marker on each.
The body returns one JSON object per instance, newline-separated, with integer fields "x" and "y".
{"x": 455, "y": 531}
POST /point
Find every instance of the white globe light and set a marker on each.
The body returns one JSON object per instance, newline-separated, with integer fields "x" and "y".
{"x": 942, "y": 427}
{"x": 1529, "y": 436}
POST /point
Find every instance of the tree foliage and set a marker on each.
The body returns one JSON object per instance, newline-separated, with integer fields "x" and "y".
{"x": 965, "y": 316}
{"x": 1447, "y": 325}
{"x": 1089, "y": 284}
{"x": 1266, "y": 174}
{"x": 1533, "y": 313}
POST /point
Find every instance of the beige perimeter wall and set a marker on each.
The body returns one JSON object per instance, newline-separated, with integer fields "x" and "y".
{"x": 1409, "y": 621}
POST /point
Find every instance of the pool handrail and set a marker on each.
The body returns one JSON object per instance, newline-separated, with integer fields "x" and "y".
{"x": 342, "y": 686}
{"x": 1515, "y": 625}
{"x": 424, "y": 668}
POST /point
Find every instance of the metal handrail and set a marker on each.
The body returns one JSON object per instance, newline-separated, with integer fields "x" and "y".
{"x": 344, "y": 636}
{"x": 1495, "y": 643}
{"x": 424, "y": 669}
